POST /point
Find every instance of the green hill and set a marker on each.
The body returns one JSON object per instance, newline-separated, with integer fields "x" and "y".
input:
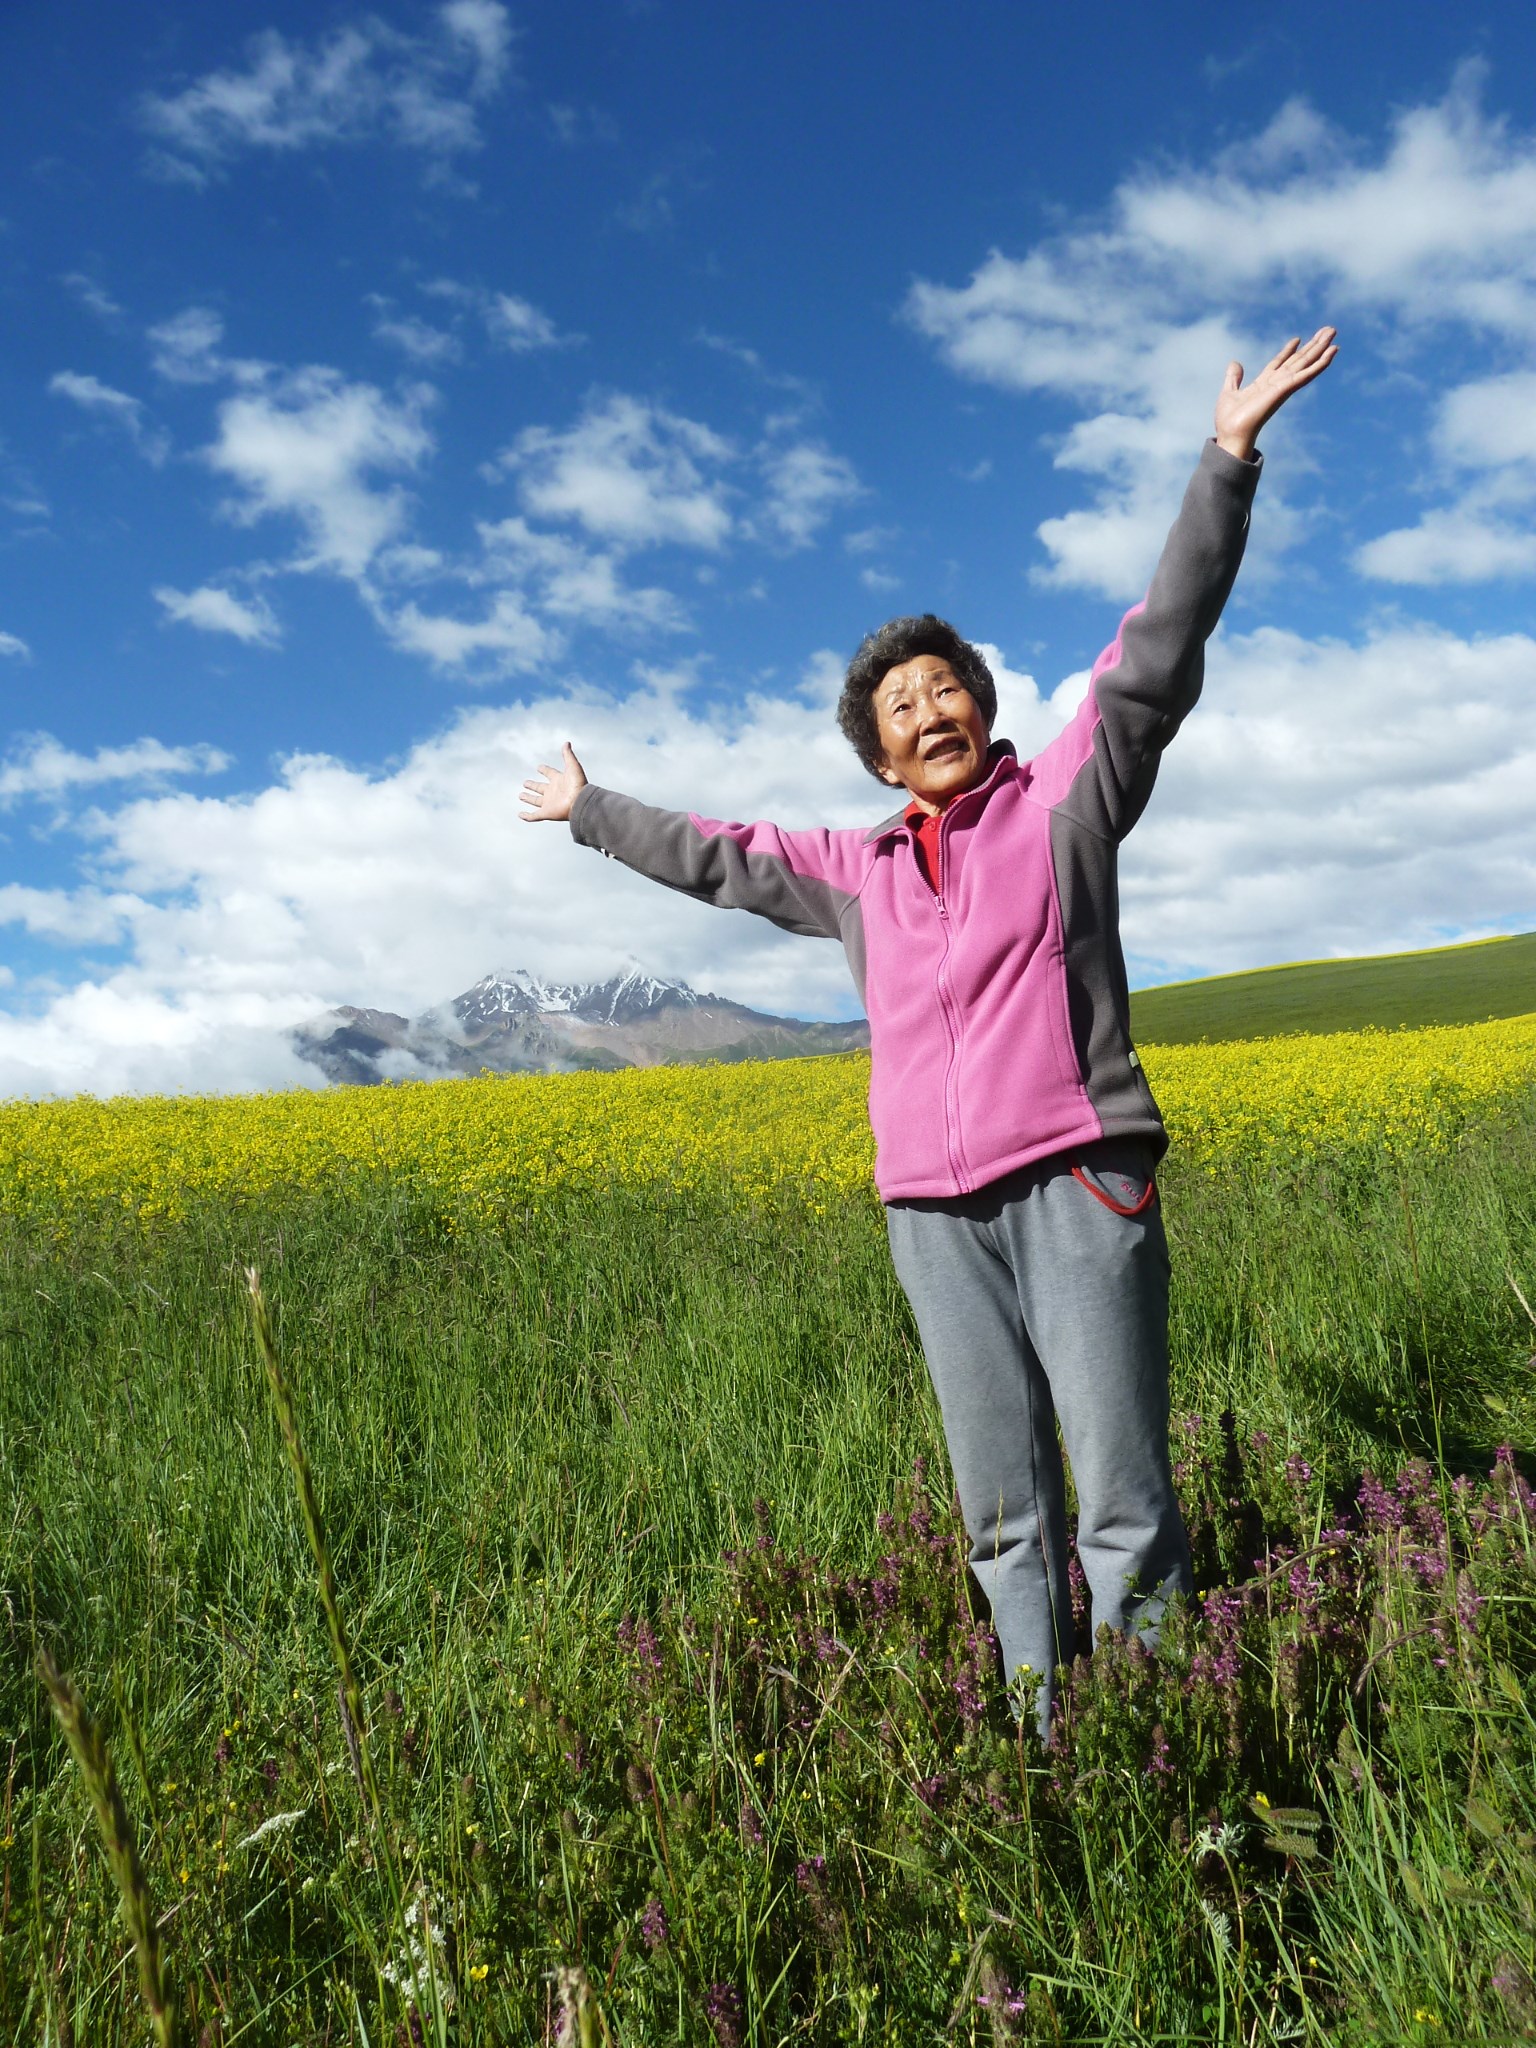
{"x": 1449, "y": 985}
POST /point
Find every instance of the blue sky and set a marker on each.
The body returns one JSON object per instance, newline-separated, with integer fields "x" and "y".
{"x": 388, "y": 394}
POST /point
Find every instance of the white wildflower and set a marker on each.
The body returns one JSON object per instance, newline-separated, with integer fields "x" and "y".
{"x": 1219, "y": 1840}
{"x": 1219, "y": 1924}
{"x": 274, "y": 1824}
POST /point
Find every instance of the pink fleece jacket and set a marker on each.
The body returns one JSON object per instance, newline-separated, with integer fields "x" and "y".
{"x": 998, "y": 1012}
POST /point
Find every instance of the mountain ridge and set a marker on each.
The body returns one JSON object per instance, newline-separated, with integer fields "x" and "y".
{"x": 516, "y": 1022}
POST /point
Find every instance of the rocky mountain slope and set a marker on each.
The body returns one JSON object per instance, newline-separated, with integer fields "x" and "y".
{"x": 516, "y": 1023}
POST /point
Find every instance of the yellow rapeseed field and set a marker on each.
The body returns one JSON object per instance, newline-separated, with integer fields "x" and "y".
{"x": 480, "y": 1146}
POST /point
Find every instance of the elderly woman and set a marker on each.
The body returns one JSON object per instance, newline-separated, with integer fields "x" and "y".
{"x": 1016, "y": 1136}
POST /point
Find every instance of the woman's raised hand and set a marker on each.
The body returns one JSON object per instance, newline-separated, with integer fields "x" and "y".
{"x": 1242, "y": 410}
{"x": 548, "y": 797}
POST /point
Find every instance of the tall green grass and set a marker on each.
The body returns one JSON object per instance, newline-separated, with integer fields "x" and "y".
{"x": 520, "y": 1439}
{"x": 1446, "y": 985}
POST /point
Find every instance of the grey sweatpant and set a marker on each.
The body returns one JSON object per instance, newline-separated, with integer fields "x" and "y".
{"x": 1038, "y": 1301}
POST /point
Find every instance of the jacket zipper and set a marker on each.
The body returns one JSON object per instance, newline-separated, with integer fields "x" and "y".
{"x": 952, "y": 1144}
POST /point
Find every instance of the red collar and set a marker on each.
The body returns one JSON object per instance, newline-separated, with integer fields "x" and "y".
{"x": 1001, "y": 754}
{"x": 924, "y": 827}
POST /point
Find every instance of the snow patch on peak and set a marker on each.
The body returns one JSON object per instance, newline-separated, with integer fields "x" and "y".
{"x": 624, "y": 998}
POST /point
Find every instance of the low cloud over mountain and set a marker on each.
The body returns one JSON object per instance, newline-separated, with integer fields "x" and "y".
{"x": 516, "y": 1023}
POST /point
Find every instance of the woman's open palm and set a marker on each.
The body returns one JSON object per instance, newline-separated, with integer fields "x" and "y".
{"x": 548, "y": 796}
{"x": 1242, "y": 409}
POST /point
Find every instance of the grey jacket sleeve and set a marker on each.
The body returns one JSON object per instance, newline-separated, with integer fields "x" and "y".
{"x": 787, "y": 877}
{"x": 1149, "y": 678}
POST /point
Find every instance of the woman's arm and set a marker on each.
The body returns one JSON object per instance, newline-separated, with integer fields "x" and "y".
{"x": 1101, "y": 769}
{"x": 802, "y": 881}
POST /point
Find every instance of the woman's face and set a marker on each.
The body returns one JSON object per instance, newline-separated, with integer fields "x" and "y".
{"x": 933, "y": 738}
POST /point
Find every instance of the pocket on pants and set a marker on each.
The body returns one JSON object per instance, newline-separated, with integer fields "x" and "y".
{"x": 1127, "y": 1186}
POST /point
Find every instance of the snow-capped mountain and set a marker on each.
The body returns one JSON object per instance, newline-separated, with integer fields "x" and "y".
{"x": 623, "y": 1000}
{"x": 517, "y": 1022}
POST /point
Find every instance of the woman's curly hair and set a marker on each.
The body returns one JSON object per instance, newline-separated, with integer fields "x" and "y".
{"x": 898, "y": 640}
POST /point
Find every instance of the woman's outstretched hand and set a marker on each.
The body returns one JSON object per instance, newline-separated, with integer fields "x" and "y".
{"x": 1242, "y": 410}
{"x": 548, "y": 798}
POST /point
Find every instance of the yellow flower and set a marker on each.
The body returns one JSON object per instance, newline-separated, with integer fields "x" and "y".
{"x": 761, "y": 1758}
{"x": 496, "y": 1146}
{"x": 1260, "y": 1800}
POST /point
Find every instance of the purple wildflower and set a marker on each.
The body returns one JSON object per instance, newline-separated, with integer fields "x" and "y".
{"x": 722, "y": 2008}
{"x": 1077, "y": 1584}
{"x": 1382, "y": 1509}
{"x": 654, "y": 1929}
{"x": 1469, "y": 1602}
{"x": 1160, "y": 1763}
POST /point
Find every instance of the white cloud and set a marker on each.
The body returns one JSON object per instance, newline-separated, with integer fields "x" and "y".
{"x": 309, "y": 447}
{"x": 1131, "y": 321}
{"x": 869, "y": 540}
{"x": 806, "y": 484}
{"x": 44, "y": 768}
{"x": 1331, "y": 798}
{"x": 421, "y": 341}
{"x": 751, "y": 359}
{"x": 128, "y": 413}
{"x": 214, "y": 610}
{"x": 628, "y": 472}
{"x": 322, "y": 449}
{"x": 1441, "y": 226}
{"x": 485, "y": 28}
{"x": 246, "y": 915}
{"x": 545, "y": 579}
{"x": 1462, "y": 543}
{"x": 1324, "y": 797}
{"x": 1491, "y": 423}
{"x": 574, "y": 582}
{"x": 69, "y": 917}
{"x": 507, "y": 640}
{"x": 364, "y": 81}
{"x": 1486, "y": 427}
{"x": 112, "y": 1038}
{"x": 93, "y": 296}
{"x": 11, "y": 644}
{"x": 185, "y": 350}
{"x": 519, "y": 325}
{"x": 510, "y": 322}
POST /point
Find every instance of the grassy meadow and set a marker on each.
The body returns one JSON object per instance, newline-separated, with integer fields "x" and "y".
{"x": 1445, "y": 985}
{"x": 651, "y": 1705}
